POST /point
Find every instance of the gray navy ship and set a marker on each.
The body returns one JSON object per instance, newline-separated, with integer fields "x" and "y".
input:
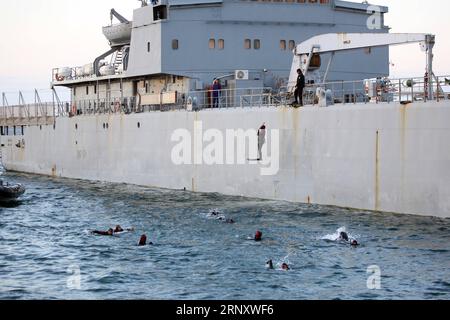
{"x": 197, "y": 95}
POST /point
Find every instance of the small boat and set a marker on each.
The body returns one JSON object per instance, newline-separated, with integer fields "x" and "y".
{"x": 10, "y": 192}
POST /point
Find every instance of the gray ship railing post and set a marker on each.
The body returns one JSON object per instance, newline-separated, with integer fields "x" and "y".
{"x": 430, "y": 39}
{"x": 21, "y": 104}
{"x": 36, "y": 103}
{"x": 98, "y": 98}
{"x": 437, "y": 89}
{"x": 354, "y": 93}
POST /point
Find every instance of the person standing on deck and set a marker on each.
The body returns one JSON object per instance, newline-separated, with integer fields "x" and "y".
{"x": 298, "y": 93}
{"x": 216, "y": 93}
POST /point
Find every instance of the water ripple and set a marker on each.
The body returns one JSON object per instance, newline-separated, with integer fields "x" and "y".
{"x": 46, "y": 247}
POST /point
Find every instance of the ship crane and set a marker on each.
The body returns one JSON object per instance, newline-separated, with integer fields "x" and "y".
{"x": 339, "y": 42}
{"x": 118, "y": 16}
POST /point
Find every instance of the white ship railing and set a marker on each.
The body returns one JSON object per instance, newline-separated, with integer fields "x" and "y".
{"x": 381, "y": 90}
{"x": 404, "y": 90}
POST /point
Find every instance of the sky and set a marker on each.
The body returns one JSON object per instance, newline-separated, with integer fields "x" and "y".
{"x": 38, "y": 35}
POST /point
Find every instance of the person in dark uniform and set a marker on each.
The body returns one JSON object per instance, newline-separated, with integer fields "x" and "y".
{"x": 298, "y": 93}
{"x": 216, "y": 93}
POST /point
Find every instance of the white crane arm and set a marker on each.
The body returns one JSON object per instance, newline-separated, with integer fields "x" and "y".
{"x": 333, "y": 42}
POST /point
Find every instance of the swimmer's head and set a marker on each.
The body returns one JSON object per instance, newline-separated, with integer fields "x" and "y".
{"x": 143, "y": 240}
{"x": 285, "y": 266}
{"x": 258, "y": 236}
{"x": 118, "y": 229}
{"x": 355, "y": 243}
{"x": 110, "y": 232}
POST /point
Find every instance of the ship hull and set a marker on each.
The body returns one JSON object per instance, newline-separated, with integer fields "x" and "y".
{"x": 386, "y": 157}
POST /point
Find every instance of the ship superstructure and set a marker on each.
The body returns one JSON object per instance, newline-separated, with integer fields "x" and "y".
{"x": 176, "y": 46}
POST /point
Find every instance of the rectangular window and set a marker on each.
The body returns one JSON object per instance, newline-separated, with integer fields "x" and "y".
{"x": 148, "y": 46}
{"x": 95, "y": 89}
{"x": 248, "y": 44}
{"x": 87, "y": 90}
{"x": 175, "y": 44}
{"x": 74, "y": 91}
{"x": 212, "y": 43}
{"x": 283, "y": 44}
{"x": 257, "y": 44}
{"x": 221, "y": 44}
{"x": 146, "y": 87}
{"x": 291, "y": 44}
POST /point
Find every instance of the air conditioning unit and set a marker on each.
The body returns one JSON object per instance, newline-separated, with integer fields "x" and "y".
{"x": 241, "y": 75}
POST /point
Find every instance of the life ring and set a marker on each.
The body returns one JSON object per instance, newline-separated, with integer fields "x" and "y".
{"x": 59, "y": 78}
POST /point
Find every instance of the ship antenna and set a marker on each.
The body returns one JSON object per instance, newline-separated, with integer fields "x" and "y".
{"x": 143, "y": 3}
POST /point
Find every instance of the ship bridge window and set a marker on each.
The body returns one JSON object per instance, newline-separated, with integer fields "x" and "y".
{"x": 283, "y": 45}
{"x": 159, "y": 13}
{"x": 212, "y": 43}
{"x": 247, "y": 44}
{"x": 257, "y": 44}
{"x": 221, "y": 44}
{"x": 291, "y": 44}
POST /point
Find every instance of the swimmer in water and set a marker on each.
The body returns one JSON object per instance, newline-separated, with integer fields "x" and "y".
{"x": 258, "y": 236}
{"x": 214, "y": 213}
{"x": 354, "y": 243}
{"x": 269, "y": 265}
{"x": 119, "y": 229}
{"x": 343, "y": 236}
{"x": 226, "y": 220}
{"x": 110, "y": 232}
{"x": 285, "y": 267}
{"x": 143, "y": 241}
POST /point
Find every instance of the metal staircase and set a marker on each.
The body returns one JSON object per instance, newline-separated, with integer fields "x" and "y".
{"x": 118, "y": 61}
